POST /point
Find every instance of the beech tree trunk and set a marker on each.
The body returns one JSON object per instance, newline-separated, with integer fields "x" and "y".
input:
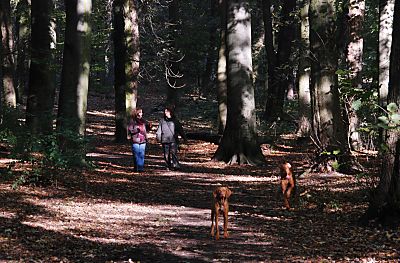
{"x": 239, "y": 141}
{"x": 7, "y": 85}
{"x": 126, "y": 70}
{"x": 385, "y": 204}
{"x": 386, "y": 8}
{"x": 75, "y": 71}
{"x": 305, "y": 119}
{"x": 354, "y": 61}
{"x": 41, "y": 93}
{"x": 221, "y": 71}
{"x": 328, "y": 123}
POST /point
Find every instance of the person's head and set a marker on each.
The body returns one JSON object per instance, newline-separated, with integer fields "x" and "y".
{"x": 138, "y": 113}
{"x": 168, "y": 112}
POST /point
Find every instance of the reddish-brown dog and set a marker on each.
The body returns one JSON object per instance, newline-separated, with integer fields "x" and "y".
{"x": 288, "y": 183}
{"x": 220, "y": 204}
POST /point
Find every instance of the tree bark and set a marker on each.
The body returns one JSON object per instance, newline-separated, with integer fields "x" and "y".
{"x": 174, "y": 76}
{"x": 328, "y": 122}
{"x": 7, "y": 57}
{"x": 41, "y": 93}
{"x": 354, "y": 61}
{"x": 385, "y": 202}
{"x": 75, "y": 71}
{"x": 221, "y": 71}
{"x": 127, "y": 55}
{"x": 281, "y": 76}
{"x": 23, "y": 31}
{"x": 239, "y": 141}
{"x": 386, "y": 8}
{"x": 305, "y": 119}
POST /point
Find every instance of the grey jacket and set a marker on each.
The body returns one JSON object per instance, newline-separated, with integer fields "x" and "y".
{"x": 168, "y": 131}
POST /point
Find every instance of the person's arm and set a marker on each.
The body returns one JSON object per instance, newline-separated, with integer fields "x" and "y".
{"x": 180, "y": 131}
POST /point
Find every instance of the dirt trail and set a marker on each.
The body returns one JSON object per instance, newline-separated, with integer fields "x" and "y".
{"x": 111, "y": 214}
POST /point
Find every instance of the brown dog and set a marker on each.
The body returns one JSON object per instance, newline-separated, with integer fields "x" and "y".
{"x": 288, "y": 183}
{"x": 220, "y": 204}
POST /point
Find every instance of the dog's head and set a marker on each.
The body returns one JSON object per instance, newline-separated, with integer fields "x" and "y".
{"x": 285, "y": 170}
{"x": 221, "y": 194}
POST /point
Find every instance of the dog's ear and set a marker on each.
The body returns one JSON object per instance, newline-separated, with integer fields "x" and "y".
{"x": 228, "y": 192}
{"x": 215, "y": 193}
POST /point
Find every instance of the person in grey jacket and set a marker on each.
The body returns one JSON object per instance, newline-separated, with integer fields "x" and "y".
{"x": 167, "y": 134}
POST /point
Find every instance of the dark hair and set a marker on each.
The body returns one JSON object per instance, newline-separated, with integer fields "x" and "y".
{"x": 170, "y": 109}
{"x": 135, "y": 111}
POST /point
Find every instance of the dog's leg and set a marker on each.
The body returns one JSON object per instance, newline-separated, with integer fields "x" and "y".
{"x": 212, "y": 221}
{"x": 226, "y": 210}
{"x": 284, "y": 185}
{"x": 287, "y": 196}
{"x": 216, "y": 222}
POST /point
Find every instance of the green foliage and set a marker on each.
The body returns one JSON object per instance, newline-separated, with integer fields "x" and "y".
{"x": 42, "y": 156}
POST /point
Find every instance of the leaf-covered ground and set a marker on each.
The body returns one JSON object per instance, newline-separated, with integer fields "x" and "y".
{"x": 111, "y": 214}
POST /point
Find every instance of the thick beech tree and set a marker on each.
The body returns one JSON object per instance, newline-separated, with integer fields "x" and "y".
{"x": 239, "y": 141}
{"x": 75, "y": 71}
{"x": 126, "y": 56}
{"x": 328, "y": 126}
{"x": 7, "y": 55}
{"x": 385, "y": 203}
{"x": 40, "y": 102}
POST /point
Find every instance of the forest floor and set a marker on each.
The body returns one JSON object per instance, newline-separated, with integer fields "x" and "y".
{"x": 111, "y": 214}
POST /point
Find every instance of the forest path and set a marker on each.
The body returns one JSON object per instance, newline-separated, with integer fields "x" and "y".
{"x": 111, "y": 214}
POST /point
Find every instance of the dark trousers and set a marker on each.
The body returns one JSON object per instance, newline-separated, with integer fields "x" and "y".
{"x": 170, "y": 155}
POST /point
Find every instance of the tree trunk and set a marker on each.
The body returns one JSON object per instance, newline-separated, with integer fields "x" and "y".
{"x": 385, "y": 42}
{"x": 210, "y": 58}
{"x": 221, "y": 71}
{"x": 269, "y": 51}
{"x": 23, "y": 21}
{"x": 280, "y": 80}
{"x": 75, "y": 72}
{"x": 41, "y": 93}
{"x": 120, "y": 78}
{"x": 174, "y": 76}
{"x": 385, "y": 204}
{"x": 239, "y": 141}
{"x": 354, "y": 61}
{"x": 9, "y": 96}
{"x": 132, "y": 55}
{"x": 328, "y": 122}
{"x": 304, "y": 127}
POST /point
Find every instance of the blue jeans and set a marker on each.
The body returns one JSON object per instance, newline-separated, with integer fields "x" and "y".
{"x": 138, "y": 151}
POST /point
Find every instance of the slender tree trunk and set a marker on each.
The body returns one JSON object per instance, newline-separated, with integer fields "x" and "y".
{"x": 41, "y": 93}
{"x": 119, "y": 70}
{"x": 271, "y": 57}
{"x": 174, "y": 76}
{"x": 221, "y": 71}
{"x": 386, "y": 201}
{"x": 386, "y": 8}
{"x": 280, "y": 82}
{"x": 210, "y": 58}
{"x": 75, "y": 72}
{"x": 354, "y": 61}
{"x": 305, "y": 119}
{"x": 9, "y": 96}
{"x": 239, "y": 141}
{"x": 23, "y": 21}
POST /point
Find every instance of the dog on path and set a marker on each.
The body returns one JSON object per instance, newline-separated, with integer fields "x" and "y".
{"x": 288, "y": 183}
{"x": 220, "y": 204}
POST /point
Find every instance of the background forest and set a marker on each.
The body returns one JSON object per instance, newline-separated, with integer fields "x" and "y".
{"x": 243, "y": 76}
